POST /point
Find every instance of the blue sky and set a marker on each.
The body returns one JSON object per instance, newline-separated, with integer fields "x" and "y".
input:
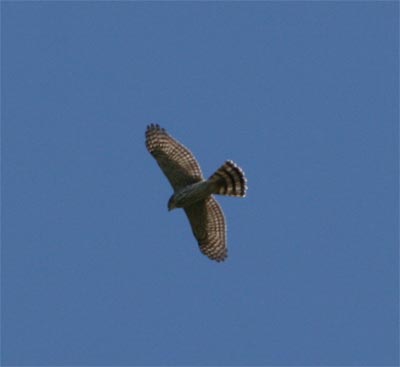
{"x": 303, "y": 96}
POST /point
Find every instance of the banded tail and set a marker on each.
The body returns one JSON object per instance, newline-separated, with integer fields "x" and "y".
{"x": 229, "y": 180}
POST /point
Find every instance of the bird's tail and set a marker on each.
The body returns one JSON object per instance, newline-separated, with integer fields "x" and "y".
{"x": 229, "y": 180}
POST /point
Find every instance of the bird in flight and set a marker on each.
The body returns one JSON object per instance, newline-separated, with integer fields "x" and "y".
{"x": 193, "y": 193}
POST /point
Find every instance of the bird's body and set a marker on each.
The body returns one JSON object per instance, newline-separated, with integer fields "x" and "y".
{"x": 190, "y": 195}
{"x": 195, "y": 194}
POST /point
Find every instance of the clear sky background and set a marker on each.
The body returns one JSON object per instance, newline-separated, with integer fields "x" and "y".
{"x": 303, "y": 96}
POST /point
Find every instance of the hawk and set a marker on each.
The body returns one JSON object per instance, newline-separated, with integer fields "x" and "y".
{"x": 195, "y": 194}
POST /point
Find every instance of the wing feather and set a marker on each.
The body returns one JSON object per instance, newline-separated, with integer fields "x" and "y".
{"x": 208, "y": 225}
{"x": 176, "y": 161}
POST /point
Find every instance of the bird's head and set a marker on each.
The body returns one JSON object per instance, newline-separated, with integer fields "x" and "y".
{"x": 171, "y": 203}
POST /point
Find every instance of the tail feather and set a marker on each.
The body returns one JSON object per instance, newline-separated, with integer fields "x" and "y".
{"x": 229, "y": 180}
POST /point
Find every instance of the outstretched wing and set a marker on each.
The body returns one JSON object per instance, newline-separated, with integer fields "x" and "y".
{"x": 208, "y": 225}
{"x": 175, "y": 160}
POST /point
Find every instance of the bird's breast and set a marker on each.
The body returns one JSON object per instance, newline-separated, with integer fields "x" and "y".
{"x": 191, "y": 194}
